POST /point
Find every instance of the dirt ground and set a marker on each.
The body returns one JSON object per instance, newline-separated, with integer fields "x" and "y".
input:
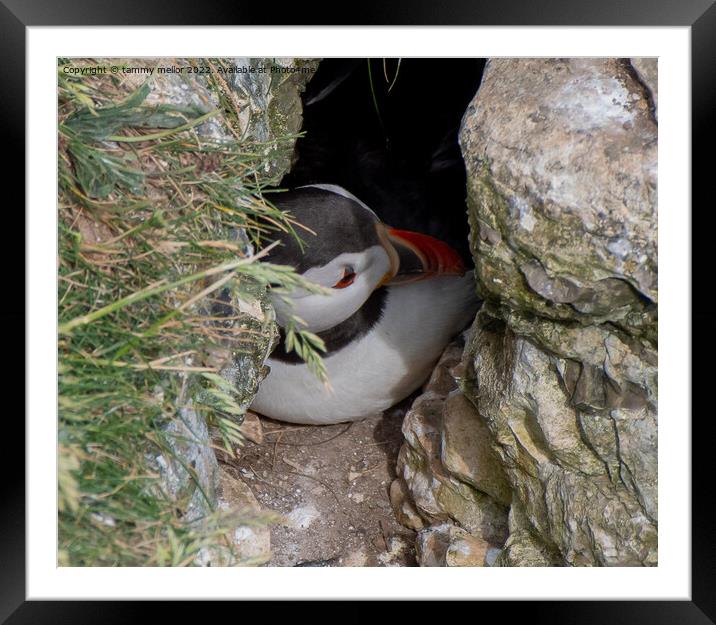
{"x": 331, "y": 484}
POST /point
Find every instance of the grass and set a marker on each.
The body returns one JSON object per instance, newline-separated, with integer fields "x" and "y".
{"x": 158, "y": 227}
{"x": 390, "y": 84}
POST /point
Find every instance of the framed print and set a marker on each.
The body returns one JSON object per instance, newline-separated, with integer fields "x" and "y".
{"x": 379, "y": 298}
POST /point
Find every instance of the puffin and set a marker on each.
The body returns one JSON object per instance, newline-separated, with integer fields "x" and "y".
{"x": 395, "y": 299}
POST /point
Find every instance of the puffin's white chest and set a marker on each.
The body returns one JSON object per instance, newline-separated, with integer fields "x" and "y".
{"x": 380, "y": 368}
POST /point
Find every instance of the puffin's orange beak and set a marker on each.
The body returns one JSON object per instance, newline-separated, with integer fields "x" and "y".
{"x": 416, "y": 256}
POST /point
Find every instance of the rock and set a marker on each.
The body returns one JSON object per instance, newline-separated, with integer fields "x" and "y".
{"x": 561, "y": 160}
{"x": 431, "y": 545}
{"x": 354, "y": 475}
{"x": 442, "y": 381}
{"x": 355, "y": 558}
{"x": 252, "y": 429}
{"x": 263, "y": 105}
{"x": 241, "y": 364}
{"x": 561, "y": 363}
{"x": 648, "y": 73}
{"x": 248, "y": 543}
{"x": 446, "y": 472}
{"x": 394, "y": 555}
{"x": 437, "y": 494}
{"x": 466, "y": 550}
{"x": 523, "y": 548}
{"x": 403, "y": 507}
{"x": 190, "y": 473}
{"x": 302, "y": 517}
{"x": 466, "y": 449}
{"x": 269, "y": 101}
{"x": 251, "y": 541}
{"x": 419, "y": 456}
{"x": 449, "y": 545}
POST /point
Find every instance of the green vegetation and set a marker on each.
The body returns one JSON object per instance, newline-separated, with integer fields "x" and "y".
{"x": 159, "y": 221}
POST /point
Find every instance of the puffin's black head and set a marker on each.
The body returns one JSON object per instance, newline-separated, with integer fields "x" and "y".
{"x": 346, "y": 248}
{"x": 330, "y": 224}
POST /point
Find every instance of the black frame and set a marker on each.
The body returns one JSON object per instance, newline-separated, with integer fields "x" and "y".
{"x": 15, "y": 15}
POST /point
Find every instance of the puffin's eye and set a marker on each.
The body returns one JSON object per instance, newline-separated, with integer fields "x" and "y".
{"x": 348, "y": 276}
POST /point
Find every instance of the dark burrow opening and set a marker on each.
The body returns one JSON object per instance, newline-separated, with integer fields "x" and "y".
{"x": 387, "y": 131}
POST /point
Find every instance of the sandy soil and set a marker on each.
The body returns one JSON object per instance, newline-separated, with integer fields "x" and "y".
{"x": 331, "y": 484}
